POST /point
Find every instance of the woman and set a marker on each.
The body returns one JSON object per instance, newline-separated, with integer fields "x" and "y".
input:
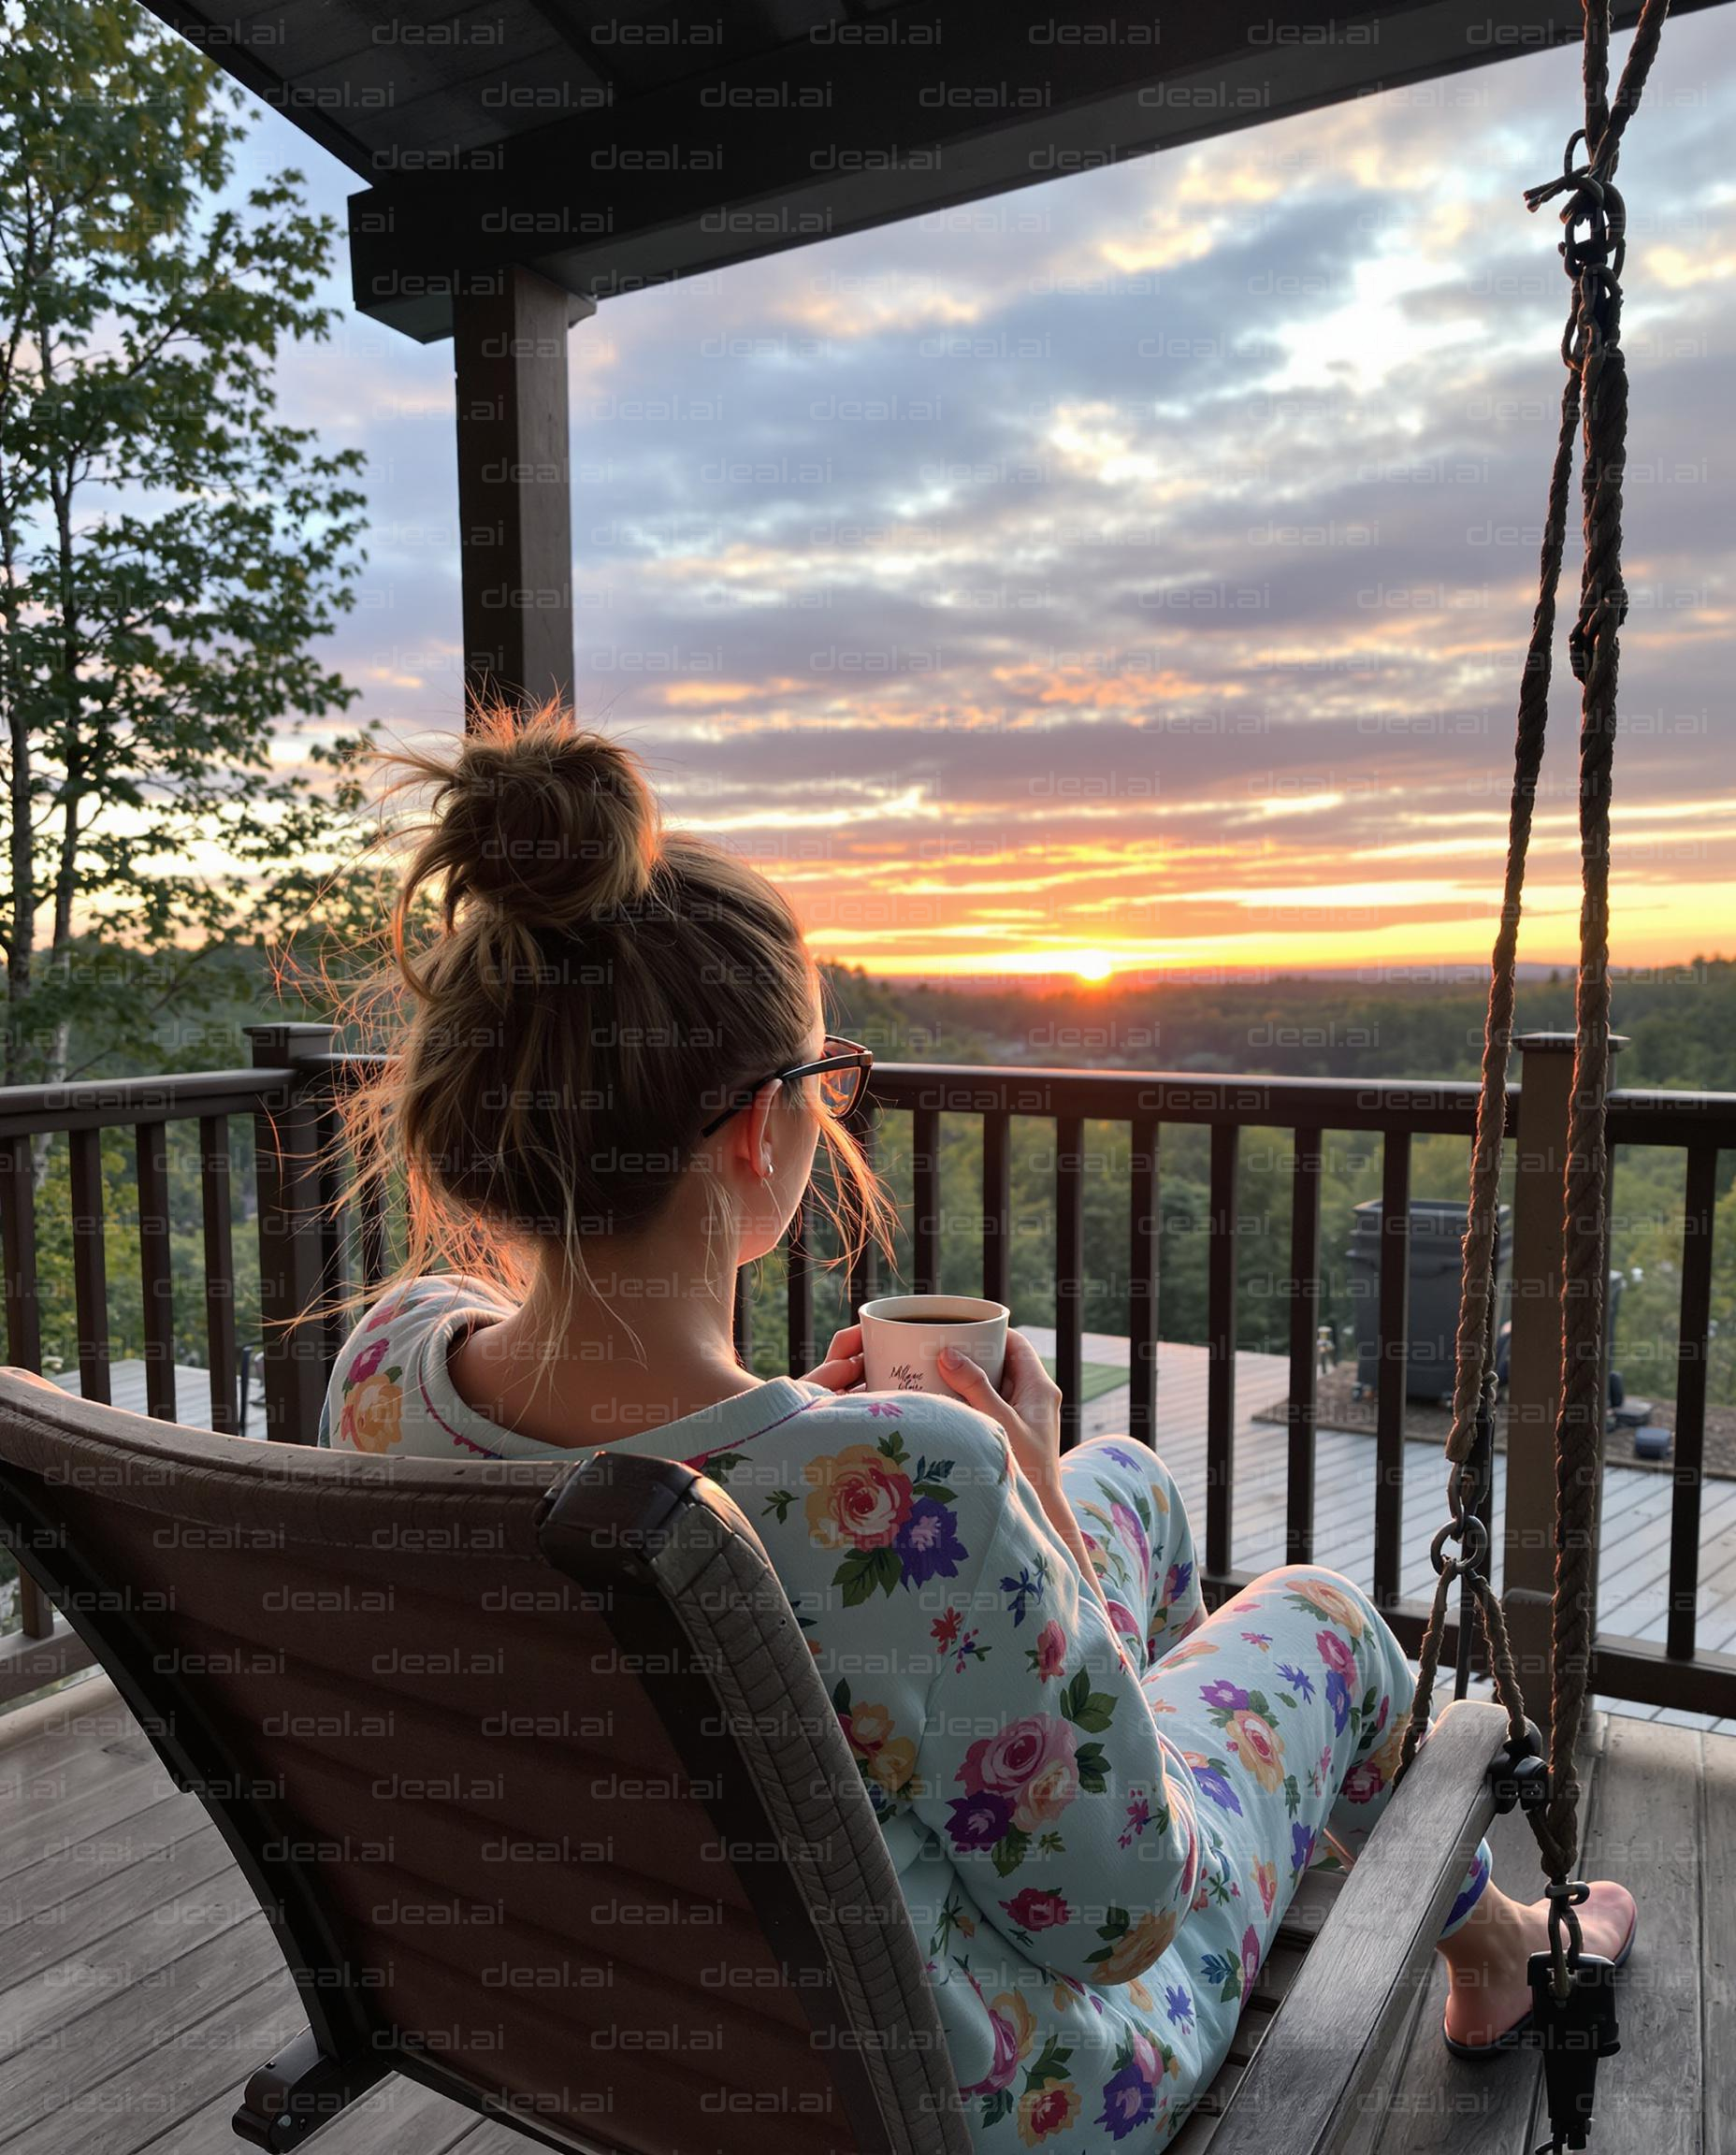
{"x": 605, "y": 1102}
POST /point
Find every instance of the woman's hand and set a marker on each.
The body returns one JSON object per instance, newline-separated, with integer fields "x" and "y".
{"x": 842, "y": 1370}
{"x": 1030, "y": 1414}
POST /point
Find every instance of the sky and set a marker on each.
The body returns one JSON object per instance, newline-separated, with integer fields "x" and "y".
{"x": 1132, "y": 573}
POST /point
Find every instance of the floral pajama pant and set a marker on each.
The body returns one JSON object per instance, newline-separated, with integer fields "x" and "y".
{"x": 1289, "y": 1702}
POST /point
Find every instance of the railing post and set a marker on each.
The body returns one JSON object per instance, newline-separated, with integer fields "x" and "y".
{"x": 1534, "y": 1359}
{"x": 292, "y": 1248}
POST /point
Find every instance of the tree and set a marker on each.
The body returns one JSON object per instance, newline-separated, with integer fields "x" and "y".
{"x": 151, "y": 639}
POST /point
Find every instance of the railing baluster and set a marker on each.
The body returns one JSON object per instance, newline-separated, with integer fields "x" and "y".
{"x": 1221, "y": 1337}
{"x": 36, "y": 1611}
{"x": 1690, "y": 1434}
{"x": 864, "y": 1263}
{"x": 218, "y": 1271}
{"x": 23, "y": 1320}
{"x": 1305, "y": 1299}
{"x": 155, "y": 1271}
{"x": 18, "y": 1224}
{"x": 89, "y": 1276}
{"x": 997, "y": 1202}
{"x": 800, "y": 1292}
{"x": 1602, "y": 1276}
{"x": 1395, "y": 1337}
{"x": 1069, "y": 1268}
{"x": 925, "y": 1173}
{"x": 1534, "y": 1363}
{"x": 1142, "y": 1290}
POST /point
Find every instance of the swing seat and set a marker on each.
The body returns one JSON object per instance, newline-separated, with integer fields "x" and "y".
{"x": 541, "y": 1793}
{"x": 533, "y": 1775}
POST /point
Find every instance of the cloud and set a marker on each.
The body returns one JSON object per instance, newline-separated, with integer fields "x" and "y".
{"x": 1119, "y": 561}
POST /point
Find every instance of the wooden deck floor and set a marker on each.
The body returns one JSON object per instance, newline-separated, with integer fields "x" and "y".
{"x": 139, "y": 1984}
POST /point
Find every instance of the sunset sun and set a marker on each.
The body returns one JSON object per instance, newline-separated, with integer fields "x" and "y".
{"x": 1093, "y": 965}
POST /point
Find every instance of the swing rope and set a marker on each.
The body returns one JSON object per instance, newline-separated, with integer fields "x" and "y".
{"x": 1596, "y": 385}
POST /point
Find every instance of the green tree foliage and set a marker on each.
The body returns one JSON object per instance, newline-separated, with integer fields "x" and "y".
{"x": 168, "y": 550}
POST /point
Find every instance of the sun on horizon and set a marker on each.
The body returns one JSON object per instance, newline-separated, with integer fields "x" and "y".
{"x": 1093, "y": 965}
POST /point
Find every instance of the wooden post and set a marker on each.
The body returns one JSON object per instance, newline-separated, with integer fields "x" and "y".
{"x": 294, "y": 1252}
{"x": 514, "y": 484}
{"x": 1534, "y": 1359}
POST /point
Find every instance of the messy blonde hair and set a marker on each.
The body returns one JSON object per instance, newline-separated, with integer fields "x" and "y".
{"x": 589, "y": 990}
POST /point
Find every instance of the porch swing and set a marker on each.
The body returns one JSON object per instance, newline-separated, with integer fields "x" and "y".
{"x": 1321, "y": 2058}
{"x": 176, "y": 1554}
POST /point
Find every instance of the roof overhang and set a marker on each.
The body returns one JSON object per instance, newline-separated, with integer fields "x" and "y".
{"x": 780, "y": 123}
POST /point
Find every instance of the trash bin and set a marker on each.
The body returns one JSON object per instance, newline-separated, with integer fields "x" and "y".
{"x": 1437, "y": 1233}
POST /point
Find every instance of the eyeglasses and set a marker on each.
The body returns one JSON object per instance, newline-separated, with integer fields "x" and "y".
{"x": 843, "y": 1067}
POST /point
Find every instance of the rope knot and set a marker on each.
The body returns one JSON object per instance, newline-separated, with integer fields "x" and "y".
{"x": 1594, "y": 259}
{"x": 1603, "y": 614}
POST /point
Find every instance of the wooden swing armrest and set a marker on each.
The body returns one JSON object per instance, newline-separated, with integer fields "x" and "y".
{"x": 32, "y": 1376}
{"x": 1335, "y": 2033}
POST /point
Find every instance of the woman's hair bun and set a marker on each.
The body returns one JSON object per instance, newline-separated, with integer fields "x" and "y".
{"x": 553, "y": 823}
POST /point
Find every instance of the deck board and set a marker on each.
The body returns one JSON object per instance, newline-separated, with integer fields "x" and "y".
{"x": 158, "y": 1834}
{"x": 1651, "y": 2097}
{"x": 159, "y": 2044}
{"x": 81, "y": 1800}
{"x": 1716, "y": 1839}
{"x": 115, "y": 1931}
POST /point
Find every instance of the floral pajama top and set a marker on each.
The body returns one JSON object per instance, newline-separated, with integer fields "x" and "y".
{"x": 1095, "y": 1847}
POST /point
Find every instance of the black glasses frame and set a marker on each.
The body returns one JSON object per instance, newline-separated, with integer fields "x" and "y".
{"x": 851, "y": 1055}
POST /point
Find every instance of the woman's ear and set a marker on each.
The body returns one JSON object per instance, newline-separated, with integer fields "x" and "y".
{"x": 757, "y": 1124}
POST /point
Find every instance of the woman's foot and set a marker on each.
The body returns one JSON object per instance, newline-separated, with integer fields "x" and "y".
{"x": 1489, "y": 1990}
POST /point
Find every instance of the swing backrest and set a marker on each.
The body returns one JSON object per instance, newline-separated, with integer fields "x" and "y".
{"x": 532, "y": 1772}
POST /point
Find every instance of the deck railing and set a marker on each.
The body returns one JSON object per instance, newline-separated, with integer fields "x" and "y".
{"x": 1678, "y": 1674}
{"x": 306, "y": 1248}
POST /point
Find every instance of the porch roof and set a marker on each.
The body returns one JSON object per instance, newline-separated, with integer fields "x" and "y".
{"x": 613, "y": 144}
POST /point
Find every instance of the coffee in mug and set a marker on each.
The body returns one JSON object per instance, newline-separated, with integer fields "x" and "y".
{"x": 903, "y": 1336}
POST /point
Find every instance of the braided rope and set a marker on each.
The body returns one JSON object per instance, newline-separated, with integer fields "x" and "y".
{"x": 1579, "y": 1427}
{"x": 1474, "y": 1370}
{"x": 1596, "y": 390}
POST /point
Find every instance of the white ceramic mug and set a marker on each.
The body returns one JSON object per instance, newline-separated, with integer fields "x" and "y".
{"x": 903, "y": 1336}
